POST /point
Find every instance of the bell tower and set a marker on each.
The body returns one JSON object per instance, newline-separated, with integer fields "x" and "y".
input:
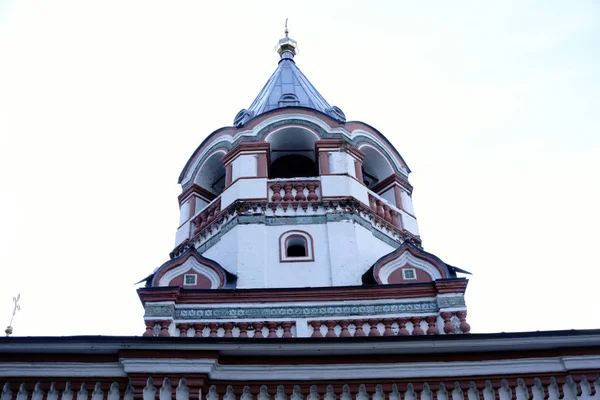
{"x": 297, "y": 223}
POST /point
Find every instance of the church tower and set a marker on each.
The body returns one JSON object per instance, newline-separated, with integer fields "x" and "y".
{"x": 298, "y": 223}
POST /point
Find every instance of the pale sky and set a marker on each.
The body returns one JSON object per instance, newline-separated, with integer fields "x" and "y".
{"x": 495, "y": 106}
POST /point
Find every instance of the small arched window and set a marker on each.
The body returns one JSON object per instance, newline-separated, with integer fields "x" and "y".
{"x": 295, "y": 246}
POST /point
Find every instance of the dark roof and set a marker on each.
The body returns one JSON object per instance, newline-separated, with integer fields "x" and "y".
{"x": 430, "y": 344}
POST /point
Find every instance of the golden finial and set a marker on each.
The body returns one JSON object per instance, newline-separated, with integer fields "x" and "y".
{"x": 287, "y": 46}
{"x": 17, "y": 307}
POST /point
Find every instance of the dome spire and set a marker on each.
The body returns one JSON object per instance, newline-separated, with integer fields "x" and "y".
{"x": 287, "y": 46}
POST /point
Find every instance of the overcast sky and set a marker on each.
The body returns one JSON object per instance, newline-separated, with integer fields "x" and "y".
{"x": 495, "y": 106}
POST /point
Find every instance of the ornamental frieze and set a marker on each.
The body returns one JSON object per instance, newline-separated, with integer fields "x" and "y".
{"x": 300, "y": 311}
{"x": 454, "y": 301}
{"x": 159, "y": 310}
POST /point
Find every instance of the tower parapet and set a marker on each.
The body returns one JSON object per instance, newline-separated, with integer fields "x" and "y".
{"x": 294, "y": 223}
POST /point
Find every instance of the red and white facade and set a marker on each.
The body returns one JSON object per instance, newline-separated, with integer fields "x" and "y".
{"x": 298, "y": 223}
{"x": 298, "y": 273}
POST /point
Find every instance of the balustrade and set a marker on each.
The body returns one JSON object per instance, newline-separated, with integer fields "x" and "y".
{"x": 206, "y": 217}
{"x": 389, "y": 326}
{"x": 294, "y": 193}
{"x": 451, "y": 323}
{"x": 384, "y": 211}
{"x": 558, "y": 386}
{"x": 256, "y": 329}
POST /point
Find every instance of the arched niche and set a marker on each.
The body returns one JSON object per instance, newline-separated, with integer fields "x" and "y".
{"x": 292, "y": 153}
{"x": 211, "y": 174}
{"x": 376, "y": 167}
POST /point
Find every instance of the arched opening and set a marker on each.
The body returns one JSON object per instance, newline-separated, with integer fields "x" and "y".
{"x": 375, "y": 166}
{"x": 296, "y": 247}
{"x": 293, "y": 166}
{"x": 292, "y": 153}
{"x": 211, "y": 175}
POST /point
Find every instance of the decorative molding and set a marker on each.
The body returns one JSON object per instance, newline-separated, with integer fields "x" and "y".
{"x": 357, "y": 309}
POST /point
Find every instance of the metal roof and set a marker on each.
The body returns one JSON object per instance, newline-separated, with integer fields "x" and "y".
{"x": 287, "y": 87}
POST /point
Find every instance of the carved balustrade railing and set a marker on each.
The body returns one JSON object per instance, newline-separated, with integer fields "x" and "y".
{"x": 453, "y": 323}
{"x": 445, "y": 323}
{"x": 555, "y": 386}
{"x": 295, "y": 193}
{"x": 206, "y": 217}
{"x": 384, "y": 211}
{"x": 233, "y": 329}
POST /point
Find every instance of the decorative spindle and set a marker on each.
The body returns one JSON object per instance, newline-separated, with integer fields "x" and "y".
{"x": 258, "y": 326}
{"x": 203, "y": 222}
{"x": 358, "y": 323}
{"x": 272, "y": 326}
{"x": 316, "y": 325}
{"x": 448, "y": 327}
{"x": 164, "y": 328}
{"x": 386, "y": 213}
{"x": 183, "y": 329}
{"x": 379, "y": 210}
{"x": 431, "y": 321}
{"x": 214, "y": 329}
{"x": 464, "y": 326}
{"x": 330, "y": 328}
{"x": 211, "y": 215}
{"x": 402, "y": 331}
{"x": 345, "y": 332}
{"x": 417, "y": 331}
{"x": 287, "y": 329}
{"x": 199, "y": 329}
{"x": 228, "y": 329}
{"x": 276, "y": 188}
{"x": 373, "y": 327}
{"x": 394, "y": 217}
{"x": 149, "y": 328}
{"x": 288, "y": 196}
{"x": 373, "y": 203}
{"x": 243, "y": 327}
{"x": 312, "y": 195}
{"x": 387, "y": 323}
{"x": 300, "y": 192}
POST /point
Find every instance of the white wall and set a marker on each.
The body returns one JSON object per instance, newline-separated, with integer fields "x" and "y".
{"x": 244, "y": 165}
{"x": 339, "y": 185}
{"x": 244, "y": 189}
{"x": 341, "y": 163}
{"x": 407, "y": 203}
{"x": 343, "y": 252}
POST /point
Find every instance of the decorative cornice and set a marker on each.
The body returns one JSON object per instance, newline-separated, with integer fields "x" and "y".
{"x": 394, "y": 178}
{"x": 209, "y": 196}
{"x": 246, "y": 146}
{"x": 336, "y": 293}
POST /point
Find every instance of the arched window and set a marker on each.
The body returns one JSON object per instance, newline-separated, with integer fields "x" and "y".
{"x": 211, "y": 175}
{"x": 375, "y": 166}
{"x": 292, "y": 153}
{"x": 296, "y": 246}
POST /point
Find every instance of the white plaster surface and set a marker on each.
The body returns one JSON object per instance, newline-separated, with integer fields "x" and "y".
{"x": 407, "y": 203}
{"x": 244, "y": 189}
{"x": 244, "y": 165}
{"x": 182, "y": 233}
{"x": 342, "y": 185}
{"x": 410, "y": 223}
{"x": 341, "y": 163}
{"x": 343, "y": 251}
